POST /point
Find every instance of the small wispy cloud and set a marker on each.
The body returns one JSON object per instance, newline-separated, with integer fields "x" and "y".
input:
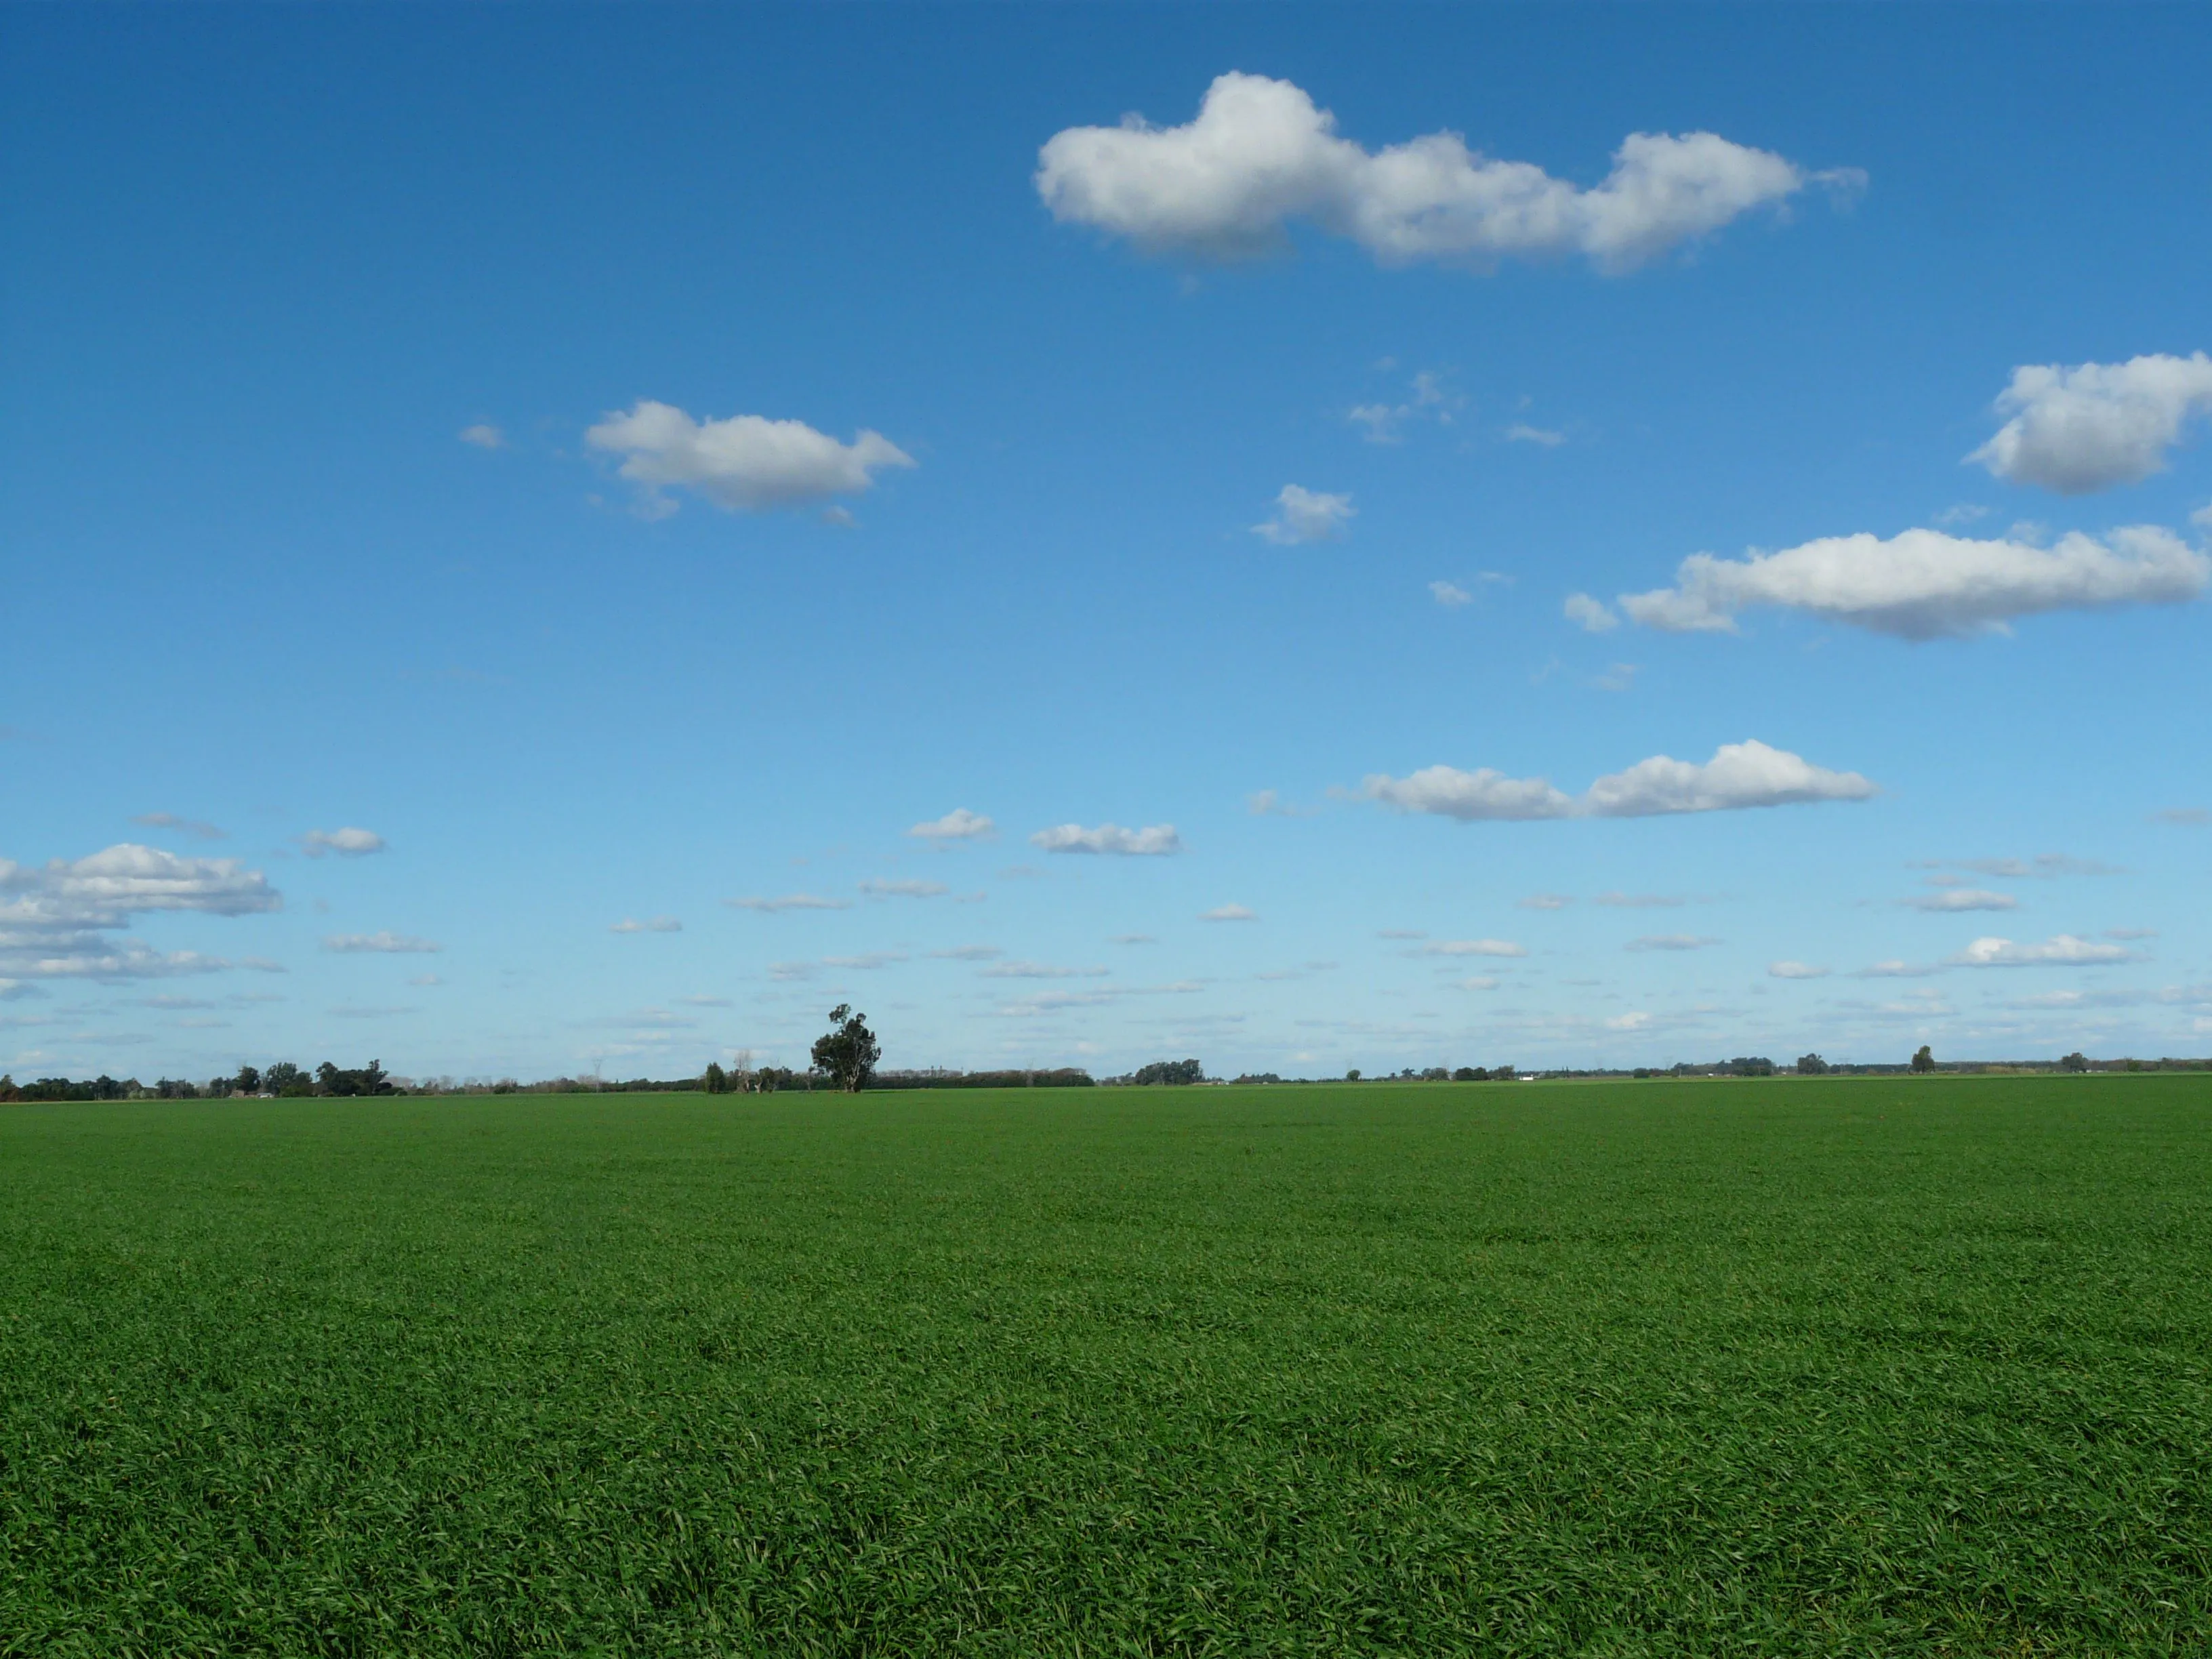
{"x": 1305, "y": 515}
{"x": 349, "y": 843}
{"x": 904, "y": 889}
{"x": 789, "y": 901}
{"x": 384, "y": 941}
{"x": 1670, "y": 942}
{"x": 483, "y": 436}
{"x": 959, "y": 824}
{"x": 198, "y": 827}
{"x": 1229, "y": 913}
{"x": 650, "y": 924}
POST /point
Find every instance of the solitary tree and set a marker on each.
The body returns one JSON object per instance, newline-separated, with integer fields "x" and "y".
{"x": 1811, "y": 1065}
{"x": 2076, "y": 1061}
{"x": 1924, "y": 1059}
{"x": 849, "y": 1053}
{"x": 714, "y": 1080}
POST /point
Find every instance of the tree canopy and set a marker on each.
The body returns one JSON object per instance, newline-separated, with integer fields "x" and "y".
{"x": 848, "y": 1052}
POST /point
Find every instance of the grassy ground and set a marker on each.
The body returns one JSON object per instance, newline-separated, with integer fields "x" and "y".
{"x": 1865, "y": 1367}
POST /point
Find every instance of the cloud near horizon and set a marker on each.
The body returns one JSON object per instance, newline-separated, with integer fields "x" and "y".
{"x": 1740, "y": 775}
{"x": 959, "y": 824}
{"x": 1925, "y": 585}
{"x": 1158, "y": 841}
{"x": 746, "y": 464}
{"x": 2095, "y": 425}
{"x": 2061, "y": 950}
{"x": 1259, "y": 155}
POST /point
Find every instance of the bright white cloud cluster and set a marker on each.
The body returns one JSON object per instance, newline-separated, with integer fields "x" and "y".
{"x": 1739, "y": 775}
{"x": 1261, "y": 155}
{"x": 2063, "y": 950}
{"x": 346, "y": 843}
{"x": 1156, "y": 840}
{"x": 2095, "y": 425}
{"x": 1305, "y": 515}
{"x": 55, "y": 918}
{"x": 1923, "y": 584}
{"x": 959, "y": 824}
{"x": 745, "y": 464}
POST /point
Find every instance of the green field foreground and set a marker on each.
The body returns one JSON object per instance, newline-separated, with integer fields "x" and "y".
{"x": 1867, "y": 1367}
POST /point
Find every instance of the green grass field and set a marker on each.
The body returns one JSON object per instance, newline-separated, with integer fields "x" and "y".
{"x": 1804, "y": 1367}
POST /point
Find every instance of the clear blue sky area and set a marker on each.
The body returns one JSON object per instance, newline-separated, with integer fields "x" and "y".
{"x": 538, "y": 537}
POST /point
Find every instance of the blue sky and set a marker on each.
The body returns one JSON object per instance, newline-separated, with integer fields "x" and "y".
{"x": 406, "y": 546}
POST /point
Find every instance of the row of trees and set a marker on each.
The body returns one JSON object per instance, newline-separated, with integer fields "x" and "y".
{"x": 283, "y": 1079}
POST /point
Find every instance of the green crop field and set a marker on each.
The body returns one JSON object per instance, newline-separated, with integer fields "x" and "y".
{"x": 1802, "y": 1367}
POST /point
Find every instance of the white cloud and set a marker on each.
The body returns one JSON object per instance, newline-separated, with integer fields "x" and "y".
{"x": 1739, "y": 775}
{"x": 789, "y": 901}
{"x": 1468, "y": 796}
{"x": 1305, "y": 515}
{"x": 1925, "y": 584}
{"x": 650, "y": 924}
{"x": 198, "y": 827}
{"x": 1895, "y": 968}
{"x": 1039, "y": 970}
{"x": 746, "y": 463}
{"x": 1156, "y": 840}
{"x": 346, "y": 843}
{"x": 1669, "y": 942}
{"x": 1961, "y": 898}
{"x": 483, "y": 436}
{"x": 1543, "y": 902}
{"x": 2094, "y": 425}
{"x": 1479, "y": 982}
{"x": 53, "y": 917}
{"x": 1588, "y": 614}
{"x": 1521, "y": 433}
{"x": 1470, "y": 947}
{"x": 1636, "y": 1021}
{"x": 1260, "y": 155}
{"x": 1796, "y": 970}
{"x": 1619, "y": 901}
{"x": 1229, "y": 913}
{"x": 867, "y": 960}
{"x": 1450, "y": 593}
{"x": 959, "y": 824}
{"x": 904, "y": 889}
{"x": 425, "y": 980}
{"x": 384, "y": 941}
{"x": 2063, "y": 950}
{"x": 2202, "y": 518}
{"x": 969, "y": 953}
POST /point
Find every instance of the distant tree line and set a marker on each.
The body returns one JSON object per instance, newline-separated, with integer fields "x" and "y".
{"x": 281, "y": 1081}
